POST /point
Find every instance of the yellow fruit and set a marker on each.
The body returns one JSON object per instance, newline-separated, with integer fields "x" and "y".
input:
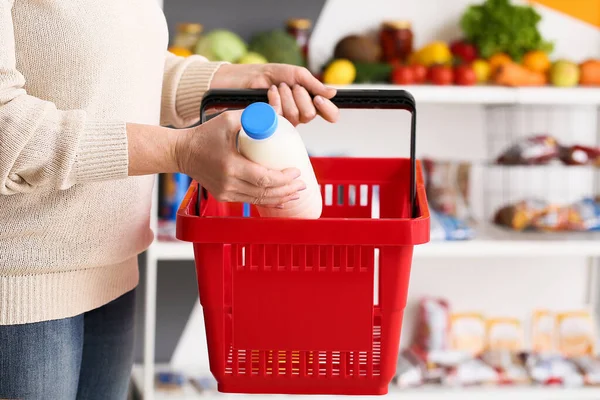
{"x": 536, "y": 61}
{"x": 433, "y": 53}
{"x": 180, "y": 51}
{"x": 339, "y": 72}
{"x": 482, "y": 70}
{"x": 498, "y": 60}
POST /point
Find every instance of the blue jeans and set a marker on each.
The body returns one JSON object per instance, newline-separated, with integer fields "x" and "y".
{"x": 85, "y": 357}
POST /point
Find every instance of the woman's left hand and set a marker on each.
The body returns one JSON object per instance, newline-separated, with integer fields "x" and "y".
{"x": 289, "y": 88}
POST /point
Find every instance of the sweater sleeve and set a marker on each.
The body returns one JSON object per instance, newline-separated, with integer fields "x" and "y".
{"x": 44, "y": 147}
{"x": 185, "y": 81}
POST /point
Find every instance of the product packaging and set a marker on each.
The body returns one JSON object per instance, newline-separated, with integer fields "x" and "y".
{"x": 445, "y": 227}
{"x": 468, "y": 333}
{"x": 410, "y": 370}
{"x": 580, "y": 155}
{"x": 433, "y": 325}
{"x": 589, "y": 367}
{"x": 521, "y": 215}
{"x": 169, "y": 381}
{"x": 447, "y": 185}
{"x": 576, "y": 334}
{"x": 543, "y": 332}
{"x": 534, "y": 150}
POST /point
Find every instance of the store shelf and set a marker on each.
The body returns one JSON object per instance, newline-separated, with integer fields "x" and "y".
{"x": 188, "y": 392}
{"x": 492, "y": 94}
{"x": 490, "y": 241}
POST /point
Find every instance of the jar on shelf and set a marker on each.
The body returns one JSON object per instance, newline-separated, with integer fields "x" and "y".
{"x": 187, "y": 36}
{"x": 396, "y": 39}
{"x": 299, "y": 28}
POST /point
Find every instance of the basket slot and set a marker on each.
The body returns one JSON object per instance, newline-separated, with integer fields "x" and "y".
{"x": 328, "y": 195}
{"x": 341, "y": 198}
{"x": 365, "y": 195}
{"x": 352, "y": 195}
{"x": 376, "y": 277}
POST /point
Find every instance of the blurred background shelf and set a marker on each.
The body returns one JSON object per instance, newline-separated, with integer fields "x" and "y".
{"x": 490, "y": 241}
{"x": 188, "y": 392}
{"x": 492, "y": 94}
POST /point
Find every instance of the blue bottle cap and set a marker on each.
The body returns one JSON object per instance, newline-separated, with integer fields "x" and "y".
{"x": 259, "y": 121}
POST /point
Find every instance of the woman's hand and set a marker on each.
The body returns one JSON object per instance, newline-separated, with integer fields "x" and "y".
{"x": 289, "y": 88}
{"x": 208, "y": 154}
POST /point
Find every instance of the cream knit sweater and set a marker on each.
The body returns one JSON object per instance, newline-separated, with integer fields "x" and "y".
{"x": 72, "y": 74}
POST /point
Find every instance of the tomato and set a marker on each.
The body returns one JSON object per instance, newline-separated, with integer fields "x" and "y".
{"x": 464, "y": 51}
{"x": 420, "y": 73}
{"x": 465, "y": 75}
{"x": 440, "y": 75}
{"x": 403, "y": 75}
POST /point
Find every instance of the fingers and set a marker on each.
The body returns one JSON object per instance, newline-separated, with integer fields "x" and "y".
{"x": 288, "y": 105}
{"x": 260, "y": 176}
{"x": 326, "y": 109}
{"x": 271, "y": 196}
{"x": 303, "y": 77}
{"x": 304, "y": 104}
{"x": 275, "y": 99}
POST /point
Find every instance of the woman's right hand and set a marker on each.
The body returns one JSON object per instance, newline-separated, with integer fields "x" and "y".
{"x": 209, "y": 155}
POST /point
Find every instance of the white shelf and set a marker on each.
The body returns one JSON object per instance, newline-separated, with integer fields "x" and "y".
{"x": 188, "y": 392}
{"x": 489, "y": 241}
{"x": 492, "y": 94}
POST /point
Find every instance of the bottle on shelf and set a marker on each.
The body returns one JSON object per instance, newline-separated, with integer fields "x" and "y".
{"x": 186, "y": 38}
{"x": 299, "y": 28}
{"x": 396, "y": 39}
{"x": 272, "y": 141}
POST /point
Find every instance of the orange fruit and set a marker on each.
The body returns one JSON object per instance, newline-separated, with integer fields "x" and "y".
{"x": 180, "y": 51}
{"x": 536, "y": 61}
{"x": 497, "y": 60}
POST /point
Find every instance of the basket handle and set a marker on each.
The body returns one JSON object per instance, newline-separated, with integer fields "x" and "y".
{"x": 345, "y": 98}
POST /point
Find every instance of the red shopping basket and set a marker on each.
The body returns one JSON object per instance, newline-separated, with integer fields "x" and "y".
{"x": 310, "y": 306}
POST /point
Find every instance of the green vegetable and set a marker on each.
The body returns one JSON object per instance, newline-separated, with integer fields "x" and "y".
{"x": 497, "y": 26}
{"x": 221, "y": 45}
{"x": 277, "y": 47}
{"x": 372, "y": 72}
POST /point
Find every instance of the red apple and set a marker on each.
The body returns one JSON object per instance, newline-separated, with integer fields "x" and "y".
{"x": 420, "y": 73}
{"x": 463, "y": 50}
{"x": 440, "y": 75}
{"x": 403, "y": 75}
{"x": 465, "y": 75}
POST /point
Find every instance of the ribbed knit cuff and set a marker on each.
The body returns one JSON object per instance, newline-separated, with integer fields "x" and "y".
{"x": 184, "y": 95}
{"x": 102, "y": 153}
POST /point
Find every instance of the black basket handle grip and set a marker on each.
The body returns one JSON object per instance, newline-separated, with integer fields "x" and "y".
{"x": 345, "y": 98}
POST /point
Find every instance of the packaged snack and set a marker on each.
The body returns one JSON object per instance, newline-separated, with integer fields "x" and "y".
{"x": 433, "y": 325}
{"x": 520, "y": 216}
{"x": 553, "y": 370}
{"x": 534, "y": 150}
{"x": 576, "y": 334}
{"x": 445, "y": 227}
{"x": 543, "y": 332}
{"x": 447, "y": 185}
{"x": 468, "y": 333}
{"x": 169, "y": 380}
{"x": 589, "y": 367}
{"x": 504, "y": 334}
{"x": 204, "y": 384}
{"x": 471, "y": 372}
{"x": 585, "y": 215}
{"x": 553, "y": 218}
{"x": 410, "y": 370}
{"x": 580, "y": 155}
{"x": 509, "y": 365}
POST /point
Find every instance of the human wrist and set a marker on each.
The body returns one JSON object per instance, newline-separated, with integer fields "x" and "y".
{"x": 180, "y": 150}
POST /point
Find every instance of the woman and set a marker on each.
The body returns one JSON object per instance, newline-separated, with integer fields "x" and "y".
{"x": 84, "y": 86}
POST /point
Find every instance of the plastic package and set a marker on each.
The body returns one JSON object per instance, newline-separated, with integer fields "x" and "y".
{"x": 447, "y": 185}
{"x": 169, "y": 380}
{"x": 576, "y": 334}
{"x": 585, "y": 215}
{"x": 410, "y": 370}
{"x": 272, "y": 141}
{"x": 534, "y": 150}
{"x": 589, "y": 367}
{"x": 468, "y": 333}
{"x": 471, "y": 372}
{"x": 446, "y": 227}
{"x": 543, "y": 332}
{"x": 504, "y": 334}
{"x": 552, "y": 370}
{"x": 580, "y": 155}
{"x": 509, "y": 365}
{"x": 433, "y": 325}
{"x": 521, "y": 215}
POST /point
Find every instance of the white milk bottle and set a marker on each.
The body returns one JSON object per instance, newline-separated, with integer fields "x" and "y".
{"x": 272, "y": 141}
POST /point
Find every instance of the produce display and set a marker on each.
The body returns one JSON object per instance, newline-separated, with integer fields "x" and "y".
{"x": 501, "y": 45}
{"x": 287, "y": 46}
{"x": 464, "y": 349}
